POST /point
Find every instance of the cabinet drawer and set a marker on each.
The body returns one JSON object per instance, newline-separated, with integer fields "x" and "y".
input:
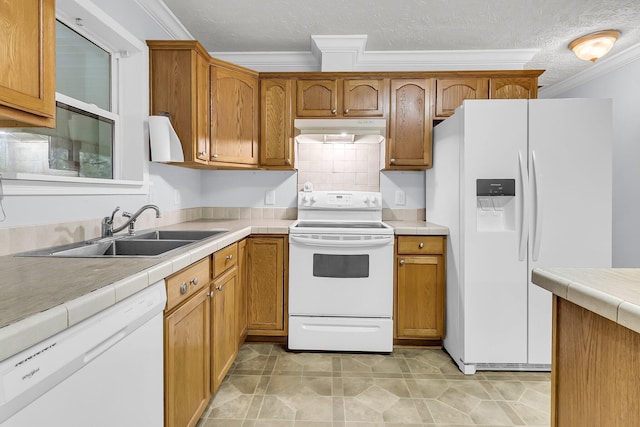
{"x": 224, "y": 259}
{"x": 421, "y": 245}
{"x": 186, "y": 282}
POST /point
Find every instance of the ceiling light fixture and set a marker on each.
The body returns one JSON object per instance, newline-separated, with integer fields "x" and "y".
{"x": 595, "y": 45}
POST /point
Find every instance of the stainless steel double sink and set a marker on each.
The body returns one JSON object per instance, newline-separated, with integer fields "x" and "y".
{"x": 153, "y": 243}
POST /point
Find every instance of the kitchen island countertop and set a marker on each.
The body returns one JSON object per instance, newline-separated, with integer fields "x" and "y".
{"x": 595, "y": 366}
{"x": 42, "y": 296}
{"x": 613, "y": 293}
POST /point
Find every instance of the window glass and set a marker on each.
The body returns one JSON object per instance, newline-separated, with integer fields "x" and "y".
{"x": 82, "y": 143}
{"x": 83, "y": 70}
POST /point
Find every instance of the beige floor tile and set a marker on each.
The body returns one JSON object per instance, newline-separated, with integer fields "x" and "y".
{"x": 269, "y": 386}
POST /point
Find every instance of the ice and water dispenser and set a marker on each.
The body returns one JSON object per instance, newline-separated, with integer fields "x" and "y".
{"x": 496, "y": 204}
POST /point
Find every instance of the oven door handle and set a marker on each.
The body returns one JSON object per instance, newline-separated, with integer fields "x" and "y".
{"x": 382, "y": 241}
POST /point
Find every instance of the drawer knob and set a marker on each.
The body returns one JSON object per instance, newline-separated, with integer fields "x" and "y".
{"x": 219, "y": 288}
{"x": 194, "y": 281}
{"x": 229, "y": 257}
{"x": 421, "y": 245}
{"x": 212, "y": 294}
{"x": 183, "y": 288}
{"x": 401, "y": 262}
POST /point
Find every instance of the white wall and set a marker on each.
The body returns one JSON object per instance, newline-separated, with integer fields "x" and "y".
{"x": 248, "y": 188}
{"x": 623, "y": 86}
{"x": 412, "y": 183}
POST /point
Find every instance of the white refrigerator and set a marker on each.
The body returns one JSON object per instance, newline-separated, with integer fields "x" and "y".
{"x": 520, "y": 184}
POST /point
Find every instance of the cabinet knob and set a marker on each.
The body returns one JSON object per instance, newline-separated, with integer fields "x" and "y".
{"x": 229, "y": 257}
{"x": 334, "y": 111}
{"x": 392, "y": 161}
{"x": 421, "y": 245}
{"x": 219, "y": 288}
{"x": 194, "y": 281}
{"x": 287, "y": 162}
{"x": 346, "y": 111}
{"x": 215, "y": 156}
{"x": 212, "y": 294}
{"x": 401, "y": 262}
{"x": 183, "y": 288}
{"x": 201, "y": 153}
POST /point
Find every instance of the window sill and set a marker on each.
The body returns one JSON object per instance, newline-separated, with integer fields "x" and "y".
{"x": 23, "y": 184}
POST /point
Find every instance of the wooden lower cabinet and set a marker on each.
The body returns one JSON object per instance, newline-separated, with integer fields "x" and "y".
{"x": 224, "y": 344}
{"x": 266, "y": 285}
{"x": 241, "y": 293}
{"x": 187, "y": 360}
{"x": 420, "y": 288}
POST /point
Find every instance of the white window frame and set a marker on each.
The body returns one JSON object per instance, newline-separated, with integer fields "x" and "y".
{"x": 107, "y": 34}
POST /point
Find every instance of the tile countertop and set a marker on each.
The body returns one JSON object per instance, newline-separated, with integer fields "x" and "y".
{"x": 613, "y": 293}
{"x": 41, "y": 296}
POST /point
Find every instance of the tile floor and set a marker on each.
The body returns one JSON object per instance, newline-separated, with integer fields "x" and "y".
{"x": 271, "y": 387}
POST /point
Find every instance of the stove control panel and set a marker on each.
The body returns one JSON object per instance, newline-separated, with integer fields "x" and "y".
{"x": 335, "y": 200}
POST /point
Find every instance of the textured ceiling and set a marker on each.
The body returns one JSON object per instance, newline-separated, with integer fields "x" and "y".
{"x": 414, "y": 25}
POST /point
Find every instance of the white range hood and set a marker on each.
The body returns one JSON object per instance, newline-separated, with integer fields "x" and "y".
{"x": 341, "y": 126}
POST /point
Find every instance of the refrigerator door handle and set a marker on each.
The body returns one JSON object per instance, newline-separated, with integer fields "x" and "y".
{"x": 524, "y": 223}
{"x": 537, "y": 224}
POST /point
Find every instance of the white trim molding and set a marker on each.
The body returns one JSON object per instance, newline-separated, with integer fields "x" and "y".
{"x": 347, "y": 53}
{"x": 161, "y": 15}
{"x": 600, "y": 68}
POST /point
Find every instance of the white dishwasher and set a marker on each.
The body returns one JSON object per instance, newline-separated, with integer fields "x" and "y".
{"x": 105, "y": 371}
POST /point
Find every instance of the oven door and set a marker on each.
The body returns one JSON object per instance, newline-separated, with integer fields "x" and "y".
{"x": 341, "y": 275}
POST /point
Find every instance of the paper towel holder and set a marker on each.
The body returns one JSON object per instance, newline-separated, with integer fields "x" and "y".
{"x": 165, "y": 143}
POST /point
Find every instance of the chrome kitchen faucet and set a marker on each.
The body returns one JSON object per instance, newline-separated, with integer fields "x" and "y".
{"x": 107, "y": 222}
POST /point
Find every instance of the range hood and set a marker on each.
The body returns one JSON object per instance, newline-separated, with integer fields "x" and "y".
{"x": 341, "y": 126}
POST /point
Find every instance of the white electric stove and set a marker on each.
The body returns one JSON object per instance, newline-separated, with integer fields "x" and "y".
{"x": 340, "y": 273}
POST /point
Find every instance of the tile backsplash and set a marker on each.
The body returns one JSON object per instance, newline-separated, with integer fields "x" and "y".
{"x": 354, "y": 167}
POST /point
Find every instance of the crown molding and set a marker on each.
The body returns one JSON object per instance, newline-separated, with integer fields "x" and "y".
{"x": 601, "y": 68}
{"x": 495, "y": 59}
{"x": 271, "y": 61}
{"x": 165, "y": 19}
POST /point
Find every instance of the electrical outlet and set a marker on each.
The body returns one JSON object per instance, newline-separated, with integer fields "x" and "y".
{"x": 400, "y": 198}
{"x": 270, "y": 197}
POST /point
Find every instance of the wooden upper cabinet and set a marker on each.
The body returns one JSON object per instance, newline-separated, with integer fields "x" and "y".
{"x": 234, "y": 117}
{"x": 410, "y": 124}
{"x": 338, "y": 97}
{"x": 27, "y": 63}
{"x": 513, "y": 88}
{"x": 317, "y": 98}
{"x": 179, "y": 87}
{"x": 364, "y": 97}
{"x": 451, "y": 92}
{"x": 276, "y": 123}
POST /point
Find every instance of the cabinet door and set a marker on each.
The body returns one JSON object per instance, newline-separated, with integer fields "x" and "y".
{"x": 513, "y": 88}
{"x": 187, "y": 361}
{"x": 420, "y": 297}
{"x": 317, "y": 98}
{"x": 234, "y": 120}
{"x": 224, "y": 343}
{"x": 27, "y": 63}
{"x": 276, "y": 142}
{"x": 410, "y": 124}
{"x": 241, "y": 293}
{"x": 180, "y": 86}
{"x": 266, "y": 286}
{"x": 364, "y": 97}
{"x": 451, "y": 92}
